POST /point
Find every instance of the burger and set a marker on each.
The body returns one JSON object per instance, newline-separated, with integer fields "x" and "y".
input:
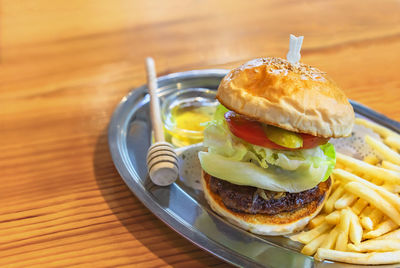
{"x": 268, "y": 160}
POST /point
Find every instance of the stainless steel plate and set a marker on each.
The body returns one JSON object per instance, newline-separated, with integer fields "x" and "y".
{"x": 183, "y": 208}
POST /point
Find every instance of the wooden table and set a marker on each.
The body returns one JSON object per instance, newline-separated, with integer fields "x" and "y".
{"x": 65, "y": 65}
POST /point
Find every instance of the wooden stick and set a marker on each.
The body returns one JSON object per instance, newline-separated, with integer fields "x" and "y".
{"x": 154, "y": 101}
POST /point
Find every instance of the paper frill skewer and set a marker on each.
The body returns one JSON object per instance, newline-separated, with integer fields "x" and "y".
{"x": 293, "y": 56}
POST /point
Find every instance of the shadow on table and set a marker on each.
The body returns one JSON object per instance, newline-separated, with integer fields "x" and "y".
{"x": 136, "y": 218}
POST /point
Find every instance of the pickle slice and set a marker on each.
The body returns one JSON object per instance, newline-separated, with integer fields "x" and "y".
{"x": 283, "y": 137}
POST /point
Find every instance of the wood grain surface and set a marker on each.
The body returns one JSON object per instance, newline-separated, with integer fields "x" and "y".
{"x": 65, "y": 65}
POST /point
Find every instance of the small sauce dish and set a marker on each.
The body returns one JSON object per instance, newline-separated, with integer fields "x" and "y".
{"x": 184, "y": 114}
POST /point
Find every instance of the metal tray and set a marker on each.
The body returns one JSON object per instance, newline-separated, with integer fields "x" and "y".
{"x": 185, "y": 209}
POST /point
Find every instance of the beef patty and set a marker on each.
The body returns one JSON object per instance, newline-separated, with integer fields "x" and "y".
{"x": 251, "y": 200}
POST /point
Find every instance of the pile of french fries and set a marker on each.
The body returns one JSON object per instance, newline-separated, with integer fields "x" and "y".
{"x": 360, "y": 220}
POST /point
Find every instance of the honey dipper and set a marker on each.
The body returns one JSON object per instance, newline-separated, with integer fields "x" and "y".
{"x": 162, "y": 161}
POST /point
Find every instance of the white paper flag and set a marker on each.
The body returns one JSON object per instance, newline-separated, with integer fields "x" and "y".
{"x": 294, "y": 55}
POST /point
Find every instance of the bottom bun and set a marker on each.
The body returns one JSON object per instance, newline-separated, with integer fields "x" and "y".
{"x": 264, "y": 224}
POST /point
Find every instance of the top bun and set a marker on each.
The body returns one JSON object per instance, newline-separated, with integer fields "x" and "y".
{"x": 296, "y": 97}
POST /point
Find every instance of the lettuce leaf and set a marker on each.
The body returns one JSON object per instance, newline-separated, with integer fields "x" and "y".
{"x": 219, "y": 139}
{"x": 323, "y": 155}
{"x": 272, "y": 178}
{"x": 330, "y": 153}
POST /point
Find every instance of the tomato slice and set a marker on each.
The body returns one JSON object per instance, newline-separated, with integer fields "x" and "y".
{"x": 249, "y": 130}
{"x": 252, "y": 132}
{"x": 310, "y": 141}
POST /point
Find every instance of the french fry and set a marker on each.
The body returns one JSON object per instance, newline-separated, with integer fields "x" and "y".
{"x": 390, "y": 165}
{"x": 393, "y": 188}
{"x": 366, "y": 211}
{"x": 358, "y": 206}
{"x": 317, "y": 221}
{"x": 371, "y": 159}
{"x": 329, "y": 204}
{"x": 295, "y": 237}
{"x": 312, "y": 247}
{"x": 330, "y": 240}
{"x": 361, "y": 167}
{"x": 376, "y": 181}
{"x": 308, "y": 236}
{"x": 335, "y": 185}
{"x": 393, "y": 141}
{"x": 338, "y": 165}
{"x": 390, "y": 197}
{"x": 373, "y": 197}
{"x": 376, "y": 245}
{"x": 355, "y": 231}
{"x": 382, "y": 131}
{"x": 367, "y": 223}
{"x": 392, "y": 235}
{"x": 346, "y": 200}
{"x": 358, "y": 258}
{"x": 376, "y": 216}
{"x": 383, "y": 150}
{"x": 383, "y": 228}
{"x": 343, "y": 237}
{"x": 333, "y": 217}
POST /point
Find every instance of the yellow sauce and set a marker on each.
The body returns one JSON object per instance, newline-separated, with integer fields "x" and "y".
{"x": 184, "y": 124}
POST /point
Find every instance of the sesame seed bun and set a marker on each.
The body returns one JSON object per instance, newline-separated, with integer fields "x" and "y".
{"x": 295, "y": 97}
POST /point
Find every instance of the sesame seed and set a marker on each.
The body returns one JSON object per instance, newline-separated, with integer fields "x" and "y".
{"x": 278, "y": 65}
